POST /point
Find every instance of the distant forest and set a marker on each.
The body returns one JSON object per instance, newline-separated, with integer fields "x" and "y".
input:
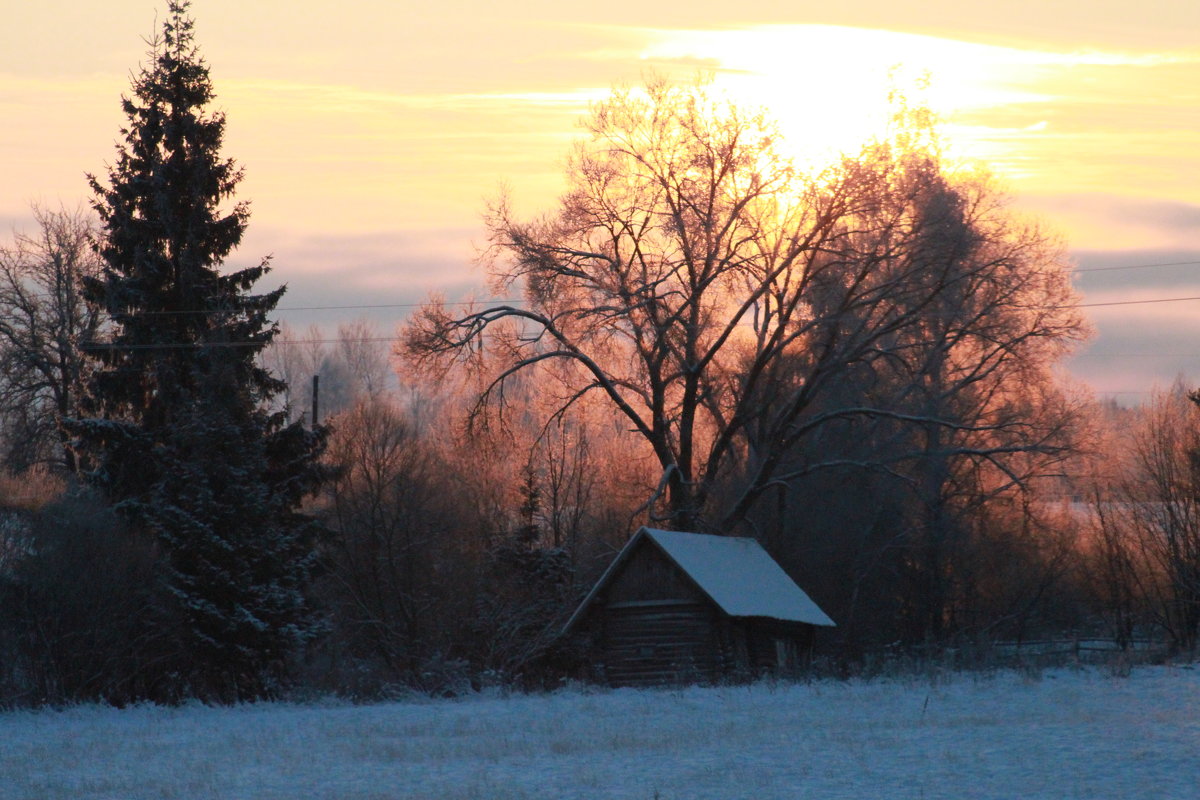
{"x": 859, "y": 368}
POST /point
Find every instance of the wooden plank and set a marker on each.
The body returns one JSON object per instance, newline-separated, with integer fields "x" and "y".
{"x": 671, "y": 601}
{"x": 649, "y": 575}
{"x": 652, "y": 633}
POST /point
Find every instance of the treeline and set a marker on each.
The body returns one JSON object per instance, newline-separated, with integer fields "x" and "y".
{"x": 856, "y": 367}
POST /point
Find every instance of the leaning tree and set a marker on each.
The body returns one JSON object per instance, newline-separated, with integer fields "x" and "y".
{"x": 180, "y": 435}
{"x": 716, "y": 299}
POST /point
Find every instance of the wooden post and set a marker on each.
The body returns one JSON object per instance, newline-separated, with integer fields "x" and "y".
{"x": 316, "y": 394}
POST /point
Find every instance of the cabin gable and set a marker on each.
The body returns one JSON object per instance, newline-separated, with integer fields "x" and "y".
{"x": 648, "y": 575}
{"x": 654, "y": 625}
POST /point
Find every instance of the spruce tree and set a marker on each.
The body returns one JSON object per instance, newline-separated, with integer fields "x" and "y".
{"x": 180, "y": 436}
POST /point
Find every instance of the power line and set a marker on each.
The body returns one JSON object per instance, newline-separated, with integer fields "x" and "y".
{"x": 510, "y": 301}
{"x": 315, "y": 308}
{"x": 1133, "y": 302}
{"x": 1137, "y": 355}
{"x": 98, "y": 346}
{"x": 1138, "y": 266}
{"x": 290, "y": 342}
{"x": 380, "y": 306}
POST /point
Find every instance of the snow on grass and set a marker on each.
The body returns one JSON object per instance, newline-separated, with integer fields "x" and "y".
{"x": 1063, "y": 735}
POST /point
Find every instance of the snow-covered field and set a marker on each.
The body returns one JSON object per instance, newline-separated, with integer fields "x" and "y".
{"x": 1065, "y": 734}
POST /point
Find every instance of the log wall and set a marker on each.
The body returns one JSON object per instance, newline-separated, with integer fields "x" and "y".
{"x": 660, "y": 642}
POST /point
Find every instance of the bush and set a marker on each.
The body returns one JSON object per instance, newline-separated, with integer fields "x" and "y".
{"x": 78, "y": 610}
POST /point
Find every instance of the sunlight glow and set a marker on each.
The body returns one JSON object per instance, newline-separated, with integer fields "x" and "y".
{"x": 828, "y": 86}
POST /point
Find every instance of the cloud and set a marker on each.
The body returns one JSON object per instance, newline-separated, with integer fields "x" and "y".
{"x": 1106, "y": 221}
{"x": 1138, "y": 347}
{"x": 1173, "y": 217}
{"x": 379, "y": 275}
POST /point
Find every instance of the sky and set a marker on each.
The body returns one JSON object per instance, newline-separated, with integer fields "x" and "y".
{"x": 373, "y": 134}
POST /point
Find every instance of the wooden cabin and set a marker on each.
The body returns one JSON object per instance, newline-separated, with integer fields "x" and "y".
{"x": 692, "y": 608}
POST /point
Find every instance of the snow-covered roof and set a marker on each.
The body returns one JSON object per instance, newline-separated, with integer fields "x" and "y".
{"x": 736, "y": 573}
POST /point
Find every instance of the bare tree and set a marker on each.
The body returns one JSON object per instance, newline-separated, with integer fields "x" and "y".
{"x": 389, "y": 523}
{"x": 1161, "y": 501}
{"x": 976, "y": 370}
{"x": 296, "y": 358}
{"x": 714, "y": 296}
{"x": 44, "y": 326}
{"x": 365, "y": 355}
{"x": 351, "y": 366}
{"x": 1141, "y": 555}
{"x": 1114, "y": 570}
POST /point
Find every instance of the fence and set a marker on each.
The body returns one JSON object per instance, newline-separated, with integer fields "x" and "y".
{"x": 1080, "y": 650}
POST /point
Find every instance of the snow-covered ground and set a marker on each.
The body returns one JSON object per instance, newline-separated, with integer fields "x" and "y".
{"x": 1065, "y": 734}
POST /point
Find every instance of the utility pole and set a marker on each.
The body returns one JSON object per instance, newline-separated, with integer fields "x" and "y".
{"x": 316, "y": 392}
